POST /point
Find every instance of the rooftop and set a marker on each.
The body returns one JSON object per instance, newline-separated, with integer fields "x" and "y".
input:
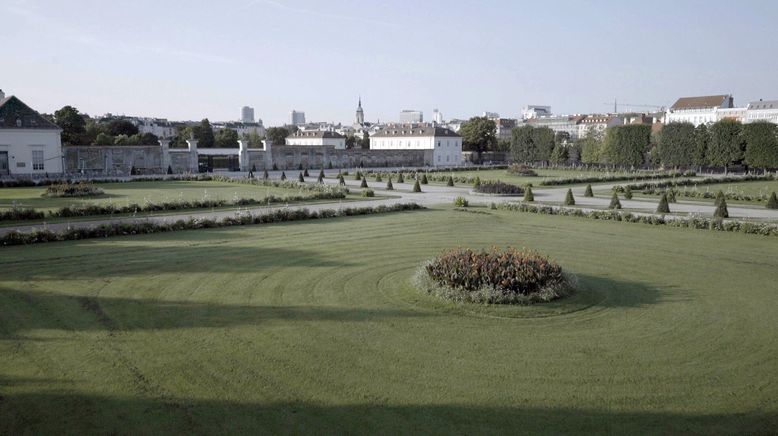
{"x": 709, "y": 101}
{"x": 315, "y": 134}
{"x": 14, "y": 114}
{"x": 414, "y": 130}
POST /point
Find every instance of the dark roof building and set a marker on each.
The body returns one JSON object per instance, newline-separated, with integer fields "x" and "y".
{"x": 710, "y": 101}
{"x": 14, "y": 114}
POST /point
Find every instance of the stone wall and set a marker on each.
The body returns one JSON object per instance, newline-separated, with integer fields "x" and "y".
{"x": 113, "y": 159}
{"x": 292, "y": 156}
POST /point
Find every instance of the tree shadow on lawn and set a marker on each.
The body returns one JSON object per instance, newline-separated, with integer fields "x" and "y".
{"x": 27, "y": 311}
{"x": 610, "y": 292}
{"x": 51, "y": 412}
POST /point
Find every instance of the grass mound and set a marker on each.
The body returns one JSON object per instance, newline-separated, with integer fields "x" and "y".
{"x": 494, "y": 276}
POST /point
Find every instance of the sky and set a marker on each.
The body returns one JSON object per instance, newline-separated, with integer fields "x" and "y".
{"x": 191, "y": 59}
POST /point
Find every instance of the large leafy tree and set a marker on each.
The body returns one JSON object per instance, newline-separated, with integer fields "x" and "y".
{"x": 121, "y": 127}
{"x": 72, "y": 123}
{"x": 479, "y": 134}
{"x": 523, "y": 148}
{"x": 591, "y": 146}
{"x": 726, "y": 144}
{"x": 675, "y": 145}
{"x": 277, "y": 135}
{"x": 364, "y": 143}
{"x": 203, "y": 133}
{"x": 543, "y": 137}
{"x": 351, "y": 141}
{"x": 700, "y": 147}
{"x": 761, "y": 144}
{"x": 226, "y": 138}
{"x": 627, "y": 145}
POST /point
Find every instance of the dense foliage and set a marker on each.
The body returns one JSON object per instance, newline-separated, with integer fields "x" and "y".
{"x": 82, "y": 189}
{"x": 498, "y": 188}
{"x": 521, "y": 170}
{"x": 495, "y": 276}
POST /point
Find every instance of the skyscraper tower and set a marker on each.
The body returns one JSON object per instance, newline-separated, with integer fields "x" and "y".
{"x": 360, "y": 112}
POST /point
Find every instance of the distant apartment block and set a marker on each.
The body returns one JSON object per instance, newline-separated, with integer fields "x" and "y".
{"x": 247, "y": 114}
{"x": 699, "y": 110}
{"x": 762, "y": 111}
{"x": 411, "y": 116}
{"x": 296, "y": 118}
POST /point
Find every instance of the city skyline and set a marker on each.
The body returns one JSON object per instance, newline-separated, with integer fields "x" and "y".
{"x": 575, "y": 57}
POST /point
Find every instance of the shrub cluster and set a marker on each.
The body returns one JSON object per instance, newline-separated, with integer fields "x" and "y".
{"x": 461, "y": 202}
{"x": 692, "y": 222}
{"x": 81, "y": 189}
{"x": 147, "y": 227}
{"x": 21, "y": 214}
{"x": 495, "y": 276}
{"x": 498, "y": 187}
{"x": 521, "y": 170}
{"x": 614, "y": 178}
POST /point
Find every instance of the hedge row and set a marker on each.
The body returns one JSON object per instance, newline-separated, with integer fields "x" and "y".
{"x": 148, "y": 227}
{"x": 694, "y": 182}
{"x": 699, "y": 223}
{"x": 614, "y": 178}
{"x": 707, "y": 194}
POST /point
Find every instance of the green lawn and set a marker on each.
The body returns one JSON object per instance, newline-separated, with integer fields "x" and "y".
{"x": 746, "y": 188}
{"x": 315, "y": 328}
{"x": 141, "y": 192}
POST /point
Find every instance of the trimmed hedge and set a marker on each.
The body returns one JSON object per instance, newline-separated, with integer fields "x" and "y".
{"x": 498, "y": 187}
{"x": 616, "y": 178}
{"x": 494, "y": 276}
{"x": 148, "y": 227}
{"x": 694, "y": 222}
{"x": 81, "y": 189}
{"x": 694, "y": 182}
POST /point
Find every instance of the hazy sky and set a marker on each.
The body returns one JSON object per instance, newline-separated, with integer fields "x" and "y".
{"x": 194, "y": 59}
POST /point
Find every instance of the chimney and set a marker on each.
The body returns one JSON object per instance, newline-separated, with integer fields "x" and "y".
{"x": 2, "y": 94}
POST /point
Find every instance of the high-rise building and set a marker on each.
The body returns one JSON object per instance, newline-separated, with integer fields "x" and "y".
{"x": 411, "y": 116}
{"x": 297, "y": 118}
{"x": 437, "y": 116}
{"x": 360, "y": 113}
{"x": 247, "y": 114}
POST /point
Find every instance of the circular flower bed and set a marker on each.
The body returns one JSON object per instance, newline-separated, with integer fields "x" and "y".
{"x": 494, "y": 276}
{"x": 498, "y": 188}
{"x": 72, "y": 190}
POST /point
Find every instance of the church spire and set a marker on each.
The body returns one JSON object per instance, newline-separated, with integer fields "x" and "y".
{"x": 360, "y": 112}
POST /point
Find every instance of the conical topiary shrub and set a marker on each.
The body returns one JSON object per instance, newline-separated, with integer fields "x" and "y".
{"x": 283, "y": 175}
{"x": 772, "y": 203}
{"x": 305, "y": 173}
{"x": 424, "y": 180}
{"x": 477, "y": 183}
{"x": 341, "y": 181}
{"x": 364, "y": 183}
{"x": 357, "y": 175}
{"x": 320, "y": 179}
{"x": 321, "y": 174}
{"x": 719, "y": 197}
{"x": 300, "y": 166}
{"x": 615, "y": 203}
{"x": 627, "y": 193}
{"x": 400, "y": 178}
{"x": 416, "y": 187}
{"x": 721, "y": 210}
{"x": 663, "y": 207}
{"x": 450, "y": 181}
{"x": 389, "y": 186}
{"x": 378, "y": 177}
{"x": 569, "y": 199}
{"x": 300, "y": 178}
{"x": 265, "y": 175}
{"x": 528, "y": 195}
{"x": 588, "y": 192}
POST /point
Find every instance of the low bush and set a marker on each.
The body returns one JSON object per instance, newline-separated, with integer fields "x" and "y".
{"x": 461, "y": 202}
{"x": 692, "y": 222}
{"x": 368, "y": 193}
{"x": 627, "y": 193}
{"x": 494, "y": 276}
{"x": 21, "y": 214}
{"x": 477, "y": 183}
{"x": 424, "y": 180}
{"x": 450, "y": 181}
{"x": 521, "y": 170}
{"x": 528, "y": 195}
{"x": 569, "y": 199}
{"x": 721, "y": 209}
{"x": 663, "y": 207}
{"x": 615, "y": 203}
{"x": 772, "y": 203}
{"x": 614, "y": 178}
{"x": 82, "y": 189}
{"x": 588, "y": 192}
{"x": 148, "y": 227}
{"x": 416, "y": 187}
{"x": 498, "y": 188}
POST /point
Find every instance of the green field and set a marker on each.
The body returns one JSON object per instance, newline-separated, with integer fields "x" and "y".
{"x": 316, "y": 328}
{"x": 142, "y": 192}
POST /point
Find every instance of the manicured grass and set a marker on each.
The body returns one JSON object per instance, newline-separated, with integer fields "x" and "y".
{"x": 141, "y": 192}
{"x": 316, "y": 328}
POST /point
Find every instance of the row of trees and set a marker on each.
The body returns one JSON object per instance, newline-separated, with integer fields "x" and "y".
{"x": 80, "y": 129}
{"x": 724, "y": 143}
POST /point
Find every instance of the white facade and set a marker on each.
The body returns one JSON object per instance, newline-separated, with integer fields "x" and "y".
{"x": 160, "y": 128}
{"x": 698, "y": 110}
{"x": 446, "y": 145}
{"x": 762, "y": 111}
{"x": 241, "y": 128}
{"x": 411, "y": 116}
{"x": 317, "y": 139}
{"x": 535, "y": 111}
{"x": 29, "y": 144}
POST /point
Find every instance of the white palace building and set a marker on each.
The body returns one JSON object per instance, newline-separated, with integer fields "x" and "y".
{"x": 30, "y": 144}
{"x": 446, "y": 145}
